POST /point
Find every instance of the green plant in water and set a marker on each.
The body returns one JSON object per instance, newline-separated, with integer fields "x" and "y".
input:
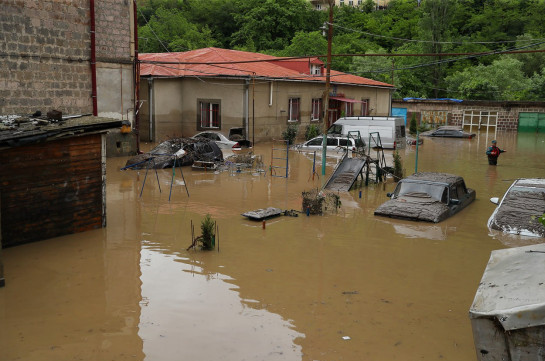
{"x": 412, "y": 125}
{"x": 398, "y": 166}
{"x": 207, "y": 229}
{"x": 312, "y": 131}
{"x": 290, "y": 133}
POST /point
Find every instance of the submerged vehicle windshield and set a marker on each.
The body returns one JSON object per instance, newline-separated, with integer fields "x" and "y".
{"x": 335, "y": 129}
{"x": 422, "y": 189}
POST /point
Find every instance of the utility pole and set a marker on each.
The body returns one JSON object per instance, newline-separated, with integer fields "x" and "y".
{"x": 327, "y": 82}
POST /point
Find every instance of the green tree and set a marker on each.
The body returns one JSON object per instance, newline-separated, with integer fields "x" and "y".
{"x": 271, "y": 24}
{"x": 373, "y": 67}
{"x": 436, "y": 25}
{"x": 502, "y": 80}
{"x": 168, "y": 29}
{"x": 303, "y": 43}
{"x": 412, "y": 125}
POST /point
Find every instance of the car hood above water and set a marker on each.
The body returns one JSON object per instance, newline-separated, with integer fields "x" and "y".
{"x": 414, "y": 208}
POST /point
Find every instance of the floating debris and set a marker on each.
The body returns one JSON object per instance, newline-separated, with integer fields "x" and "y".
{"x": 261, "y": 214}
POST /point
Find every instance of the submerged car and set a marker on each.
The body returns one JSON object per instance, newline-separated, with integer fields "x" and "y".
{"x": 338, "y": 144}
{"x": 235, "y": 140}
{"x": 221, "y": 140}
{"x": 176, "y": 152}
{"x": 429, "y": 197}
{"x": 448, "y": 132}
{"x": 520, "y": 208}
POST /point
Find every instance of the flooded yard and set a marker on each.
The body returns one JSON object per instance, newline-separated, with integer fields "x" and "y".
{"x": 343, "y": 286}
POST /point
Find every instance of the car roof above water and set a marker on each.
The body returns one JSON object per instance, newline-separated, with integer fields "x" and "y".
{"x": 434, "y": 177}
{"x": 531, "y": 182}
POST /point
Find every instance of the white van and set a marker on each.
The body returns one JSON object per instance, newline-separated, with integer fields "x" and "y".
{"x": 391, "y": 129}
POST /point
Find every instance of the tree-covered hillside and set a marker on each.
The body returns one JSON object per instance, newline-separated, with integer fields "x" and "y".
{"x": 477, "y": 32}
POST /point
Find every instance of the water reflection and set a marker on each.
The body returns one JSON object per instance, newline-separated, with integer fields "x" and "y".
{"x": 192, "y": 314}
{"x": 422, "y": 230}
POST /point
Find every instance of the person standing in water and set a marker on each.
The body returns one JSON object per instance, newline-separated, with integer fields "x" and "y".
{"x": 493, "y": 152}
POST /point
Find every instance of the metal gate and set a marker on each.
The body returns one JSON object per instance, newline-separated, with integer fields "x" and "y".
{"x": 531, "y": 122}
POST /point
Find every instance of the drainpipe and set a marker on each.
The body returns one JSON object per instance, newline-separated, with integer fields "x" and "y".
{"x": 246, "y": 108}
{"x": 150, "y": 108}
{"x": 93, "y": 59}
{"x": 136, "y": 80}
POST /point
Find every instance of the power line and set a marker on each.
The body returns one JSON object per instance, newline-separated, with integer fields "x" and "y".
{"x": 150, "y": 27}
{"x": 431, "y": 41}
{"x": 495, "y": 52}
{"x": 439, "y": 62}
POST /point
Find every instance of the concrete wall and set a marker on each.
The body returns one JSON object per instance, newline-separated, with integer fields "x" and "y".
{"x": 243, "y": 104}
{"x": 45, "y": 52}
{"x": 508, "y": 112}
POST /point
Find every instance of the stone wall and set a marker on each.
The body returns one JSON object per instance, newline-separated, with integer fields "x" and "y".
{"x": 45, "y": 52}
{"x": 507, "y": 111}
{"x": 113, "y": 30}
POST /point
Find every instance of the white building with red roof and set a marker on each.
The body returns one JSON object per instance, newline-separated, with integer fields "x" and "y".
{"x": 218, "y": 89}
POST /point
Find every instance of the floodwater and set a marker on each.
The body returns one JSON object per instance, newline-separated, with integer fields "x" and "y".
{"x": 343, "y": 286}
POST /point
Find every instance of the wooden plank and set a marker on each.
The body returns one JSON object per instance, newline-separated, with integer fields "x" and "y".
{"x": 51, "y": 189}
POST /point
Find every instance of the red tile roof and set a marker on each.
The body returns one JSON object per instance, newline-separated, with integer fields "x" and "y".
{"x": 214, "y": 62}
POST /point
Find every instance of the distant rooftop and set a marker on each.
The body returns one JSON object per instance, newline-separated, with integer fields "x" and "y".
{"x": 216, "y": 62}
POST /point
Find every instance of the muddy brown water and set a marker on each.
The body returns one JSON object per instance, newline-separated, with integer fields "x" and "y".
{"x": 342, "y": 286}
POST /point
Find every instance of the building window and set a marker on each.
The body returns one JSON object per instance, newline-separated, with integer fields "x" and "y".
{"x": 316, "y": 109}
{"x": 364, "y": 107}
{"x": 293, "y": 115}
{"x": 315, "y": 69}
{"x": 348, "y": 109}
{"x": 342, "y": 2}
{"x": 360, "y": 2}
{"x": 351, "y": 2}
{"x": 209, "y": 114}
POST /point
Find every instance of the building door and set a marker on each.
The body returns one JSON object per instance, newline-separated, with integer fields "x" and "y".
{"x": 531, "y": 122}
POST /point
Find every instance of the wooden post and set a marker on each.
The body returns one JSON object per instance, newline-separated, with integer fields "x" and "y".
{"x": 327, "y": 83}
{"x": 2, "y": 280}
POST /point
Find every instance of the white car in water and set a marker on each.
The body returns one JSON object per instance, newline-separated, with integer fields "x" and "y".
{"x": 336, "y": 144}
{"x": 221, "y": 140}
{"x": 520, "y": 209}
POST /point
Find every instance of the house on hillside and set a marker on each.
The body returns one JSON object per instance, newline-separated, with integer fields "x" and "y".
{"x": 219, "y": 89}
{"x": 324, "y": 4}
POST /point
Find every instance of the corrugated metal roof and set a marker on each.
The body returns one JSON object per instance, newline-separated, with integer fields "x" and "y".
{"x": 512, "y": 288}
{"x": 207, "y": 62}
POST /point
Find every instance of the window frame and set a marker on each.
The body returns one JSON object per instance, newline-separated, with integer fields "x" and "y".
{"x": 316, "y": 110}
{"x": 364, "y": 109}
{"x": 294, "y": 115}
{"x": 205, "y": 120}
{"x": 348, "y": 109}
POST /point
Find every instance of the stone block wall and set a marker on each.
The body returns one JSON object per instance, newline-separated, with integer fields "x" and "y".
{"x": 508, "y": 112}
{"x": 113, "y": 30}
{"x": 45, "y": 52}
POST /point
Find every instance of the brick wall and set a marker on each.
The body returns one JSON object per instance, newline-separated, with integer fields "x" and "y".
{"x": 45, "y": 52}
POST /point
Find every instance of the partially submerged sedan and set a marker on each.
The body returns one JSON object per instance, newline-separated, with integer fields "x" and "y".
{"x": 429, "y": 197}
{"x": 519, "y": 210}
{"x": 450, "y": 132}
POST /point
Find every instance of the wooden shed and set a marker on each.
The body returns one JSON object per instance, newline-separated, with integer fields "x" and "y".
{"x": 52, "y": 177}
